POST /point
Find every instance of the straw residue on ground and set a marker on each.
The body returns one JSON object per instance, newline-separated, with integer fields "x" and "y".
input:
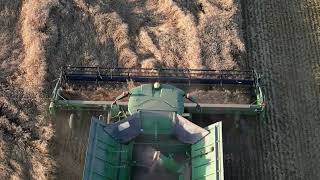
{"x": 37, "y": 38}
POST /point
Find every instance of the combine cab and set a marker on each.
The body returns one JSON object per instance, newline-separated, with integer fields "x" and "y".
{"x": 151, "y": 131}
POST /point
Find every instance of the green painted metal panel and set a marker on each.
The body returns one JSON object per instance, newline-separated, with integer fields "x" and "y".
{"x": 170, "y": 164}
{"x": 165, "y": 98}
{"x": 156, "y": 122}
{"x": 207, "y": 155}
{"x": 106, "y": 159}
{"x": 247, "y": 109}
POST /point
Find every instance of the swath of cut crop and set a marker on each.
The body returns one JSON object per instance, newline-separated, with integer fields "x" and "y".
{"x": 34, "y": 24}
{"x": 30, "y": 143}
{"x": 176, "y": 35}
{"x": 111, "y": 26}
{"x": 10, "y": 41}
{"x": 220, "y": 37}
{"x": 146, "y": 46}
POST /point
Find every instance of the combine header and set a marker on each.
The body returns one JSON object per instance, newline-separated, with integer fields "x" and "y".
{"x": 149, "y": 136}
{"x": 180, "y": 77}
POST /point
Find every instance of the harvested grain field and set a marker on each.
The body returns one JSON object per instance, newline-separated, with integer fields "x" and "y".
{"x": 283, "y": 42}
{"x": 281, "y": 39}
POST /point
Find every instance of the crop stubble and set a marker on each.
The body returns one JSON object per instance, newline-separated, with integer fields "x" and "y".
{"x": 282, "y": 42}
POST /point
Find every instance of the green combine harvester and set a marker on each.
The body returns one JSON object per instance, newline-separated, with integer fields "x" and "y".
{"x": 149, "y": 136}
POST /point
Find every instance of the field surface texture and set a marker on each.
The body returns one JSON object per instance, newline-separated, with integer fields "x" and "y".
{"x": 280, "y": 39}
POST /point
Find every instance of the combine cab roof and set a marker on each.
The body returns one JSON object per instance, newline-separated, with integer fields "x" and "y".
{"x": 164, "y": 98}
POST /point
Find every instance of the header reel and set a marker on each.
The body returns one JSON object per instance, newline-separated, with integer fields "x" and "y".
{"x": 98, "y": 76}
